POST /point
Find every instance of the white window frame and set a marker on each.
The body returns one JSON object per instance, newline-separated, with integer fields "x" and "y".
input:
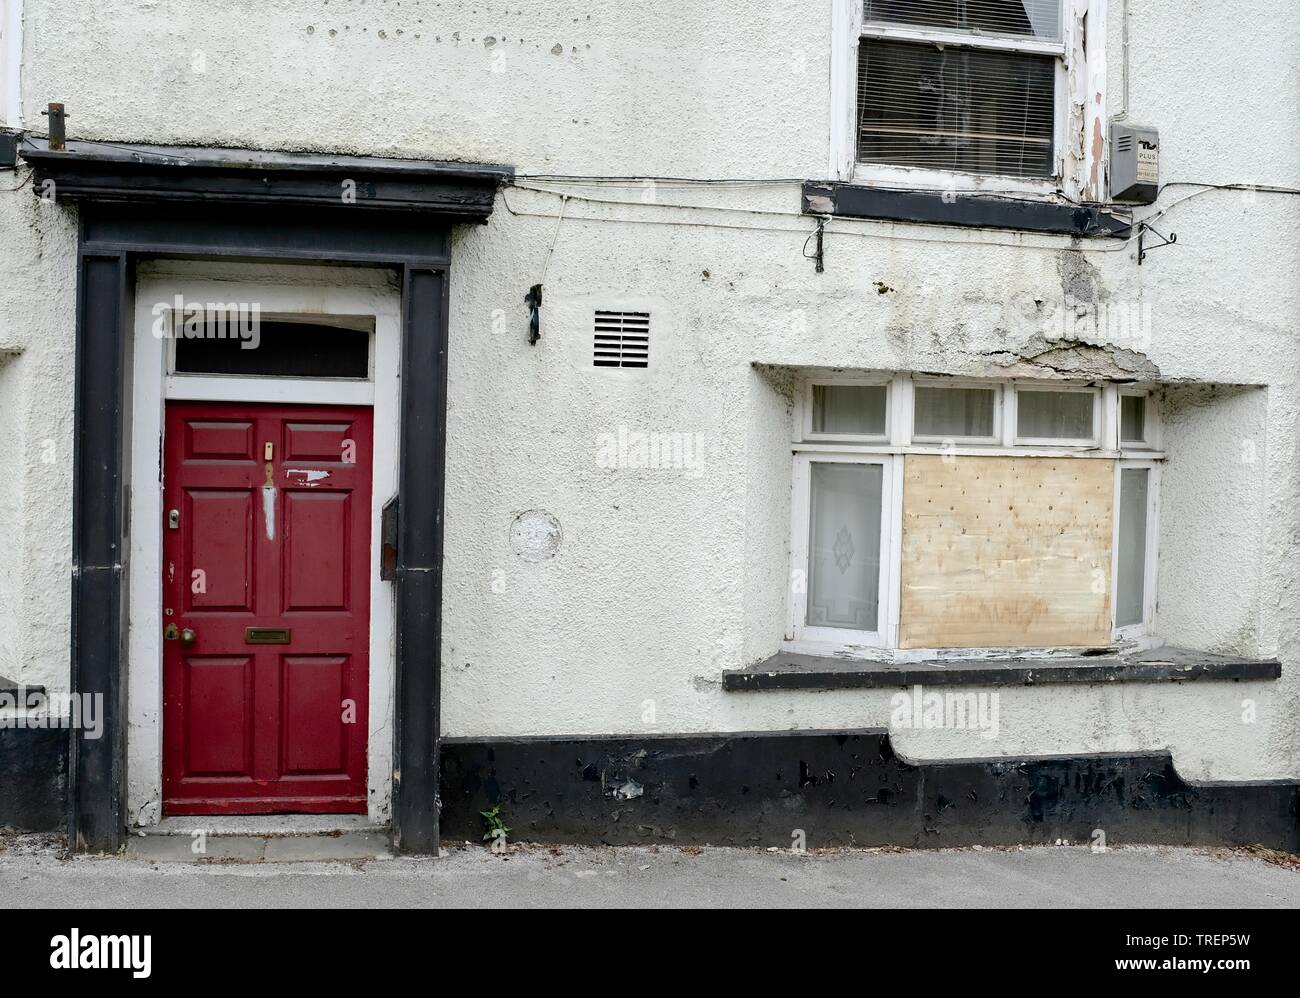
{"x": 1013, "y": 415}
{"x": 841, "y": 381}
{"x": 1150, "y": 421}
{"x": 842, "y": 639}
{"x": 900, "y": 411}
{"x": 1079, "y": 104}
{"x": 998, "y": 389}
{"x": 306, "y": 389}
{"x": 1143, "y": 628}
{"x": 900, "y": 405}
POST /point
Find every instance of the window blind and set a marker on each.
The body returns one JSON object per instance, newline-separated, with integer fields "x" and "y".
{"x": 1029, "y": 18}
{"x": 947, "y": 108}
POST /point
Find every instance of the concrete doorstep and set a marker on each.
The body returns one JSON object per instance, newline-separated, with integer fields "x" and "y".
{"x": 222, "y": 841}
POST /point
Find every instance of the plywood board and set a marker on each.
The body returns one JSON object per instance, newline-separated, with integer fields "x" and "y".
{"x": 1005, "y": 551}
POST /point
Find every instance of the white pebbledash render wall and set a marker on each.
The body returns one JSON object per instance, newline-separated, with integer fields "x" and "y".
{"x": 664, "y": 579}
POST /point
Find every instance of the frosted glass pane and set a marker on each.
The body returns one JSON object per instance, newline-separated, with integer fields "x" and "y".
{"x": 954, "y": 412}
{"x": 858, "y": 409}
{"x": 1132, "y": 418}
{"x": 844, "y": 546}
{"x": 1130, "y": 585}
{"x": 1055, "y": 415}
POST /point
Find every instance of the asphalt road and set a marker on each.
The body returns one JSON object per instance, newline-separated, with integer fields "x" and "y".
{"x": 34, "y": 875}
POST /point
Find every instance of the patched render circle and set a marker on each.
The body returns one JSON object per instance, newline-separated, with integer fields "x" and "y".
{"x": 535, "y": 535}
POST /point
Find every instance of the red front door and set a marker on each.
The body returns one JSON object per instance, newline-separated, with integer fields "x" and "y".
{"x": 266, "y": 608}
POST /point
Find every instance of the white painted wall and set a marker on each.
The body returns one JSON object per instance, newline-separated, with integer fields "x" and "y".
{"x": 663, "y": 580}
{"x": 37, "y": 320}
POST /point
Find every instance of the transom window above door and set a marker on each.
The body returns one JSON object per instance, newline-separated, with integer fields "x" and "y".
{"x": 239, "y": 341}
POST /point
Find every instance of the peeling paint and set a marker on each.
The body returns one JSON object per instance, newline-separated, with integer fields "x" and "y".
{"x": 1095, "y": 160}
{"x": 311, "y": 476}
{"x": 268, "y": 510}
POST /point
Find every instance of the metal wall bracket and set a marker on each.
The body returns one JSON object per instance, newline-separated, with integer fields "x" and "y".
{"x": 534, "y": 302}
{"x": 1143, "y": 229}
{"x": 819, "y": 251}
{"x": 58, "y": 133}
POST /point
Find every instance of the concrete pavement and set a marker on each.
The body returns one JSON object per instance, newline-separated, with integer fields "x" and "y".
{"x": 34, "y": 874}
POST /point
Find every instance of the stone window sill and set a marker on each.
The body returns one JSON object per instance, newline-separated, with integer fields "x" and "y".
{"x": 793, "y": 671}
{"x": 985, "y": 211}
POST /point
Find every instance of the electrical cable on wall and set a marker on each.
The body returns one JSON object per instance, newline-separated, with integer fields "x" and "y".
{"x": 1134, "y": 228}
{"x": 534, "y": 297}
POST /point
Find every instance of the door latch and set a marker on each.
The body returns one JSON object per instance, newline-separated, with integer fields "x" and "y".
{"x": 185, "y": 635}
{"x": 173, "y": 519}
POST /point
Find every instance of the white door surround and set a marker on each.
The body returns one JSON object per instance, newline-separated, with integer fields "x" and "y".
{"x": 310, "y": 292}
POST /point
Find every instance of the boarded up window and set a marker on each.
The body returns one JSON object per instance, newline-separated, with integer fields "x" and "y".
{"x": 1005, "y": 552}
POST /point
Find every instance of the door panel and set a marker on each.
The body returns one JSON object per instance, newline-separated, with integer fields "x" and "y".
{"x": 230, "y": 440}
{"x": 267, "y": 564}
{"x": 218, "y": 710}
{"x": 314, "y": 686}
{"x": 221, "y": 535}
{"x": 317, "y": 545}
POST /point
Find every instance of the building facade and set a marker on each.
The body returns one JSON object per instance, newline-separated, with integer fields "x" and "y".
{"x": 875, "y": 420}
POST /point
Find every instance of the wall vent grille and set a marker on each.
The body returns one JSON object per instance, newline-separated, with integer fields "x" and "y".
{"x": 622, "y": 339}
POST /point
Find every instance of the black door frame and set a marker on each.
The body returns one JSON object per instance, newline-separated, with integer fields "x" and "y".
{"x": 147, "y": 202}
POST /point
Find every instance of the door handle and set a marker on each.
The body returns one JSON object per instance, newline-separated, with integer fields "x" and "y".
{"x": 187, "y": 635}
